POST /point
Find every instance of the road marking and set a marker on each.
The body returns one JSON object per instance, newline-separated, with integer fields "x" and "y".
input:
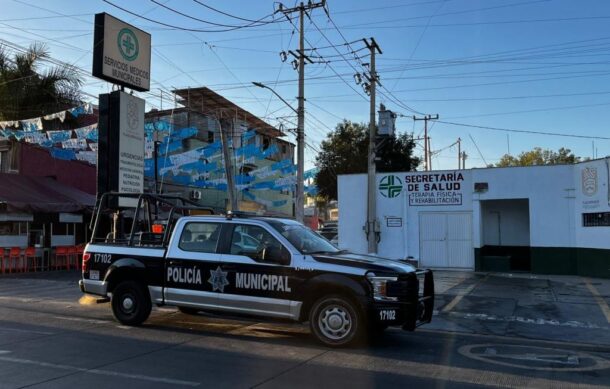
{"x": 527, "y": 357}
{"x": 441, "y": 372}
{"x": 599, "y": 299}
{"x": 595, "y": 347}
{"x": 141, "y": 377}
{"x": 22, "y": 330}
{"x": 93, "y": 321}
{"x": 461, "y": 295}
{"x": 526, "y": 320}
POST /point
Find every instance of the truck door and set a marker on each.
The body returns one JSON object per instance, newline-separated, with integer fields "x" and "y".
{"x": 258, "y": 268}
{"x": 190, "y": 262}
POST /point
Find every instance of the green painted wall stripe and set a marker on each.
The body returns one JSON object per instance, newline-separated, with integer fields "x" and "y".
{"x": 558, "y": 260}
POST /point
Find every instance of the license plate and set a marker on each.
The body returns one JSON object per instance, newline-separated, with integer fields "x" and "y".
{"x": 94, "y": 275}
{"x": 387, "y": 314}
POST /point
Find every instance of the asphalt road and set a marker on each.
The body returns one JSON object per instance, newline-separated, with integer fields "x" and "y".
{"x": 50, "y": 339}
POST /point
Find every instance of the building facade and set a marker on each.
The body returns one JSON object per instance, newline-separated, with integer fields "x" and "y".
{"x": 539, "y": 219}
{"x": 190, "y": 160}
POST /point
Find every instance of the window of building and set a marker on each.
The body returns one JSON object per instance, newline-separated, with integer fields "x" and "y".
{"x": 200, "y": 237}
{"x": 210, "y": 136}
{"x": 597, "y": 219}
{"x": 13, "y": 228}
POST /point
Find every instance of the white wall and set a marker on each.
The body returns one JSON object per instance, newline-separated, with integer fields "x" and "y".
{"x": 591, "y": 195}
{"x": 548, "y": 189}
{"x": 351, "y": 193}
{"x": 505, "y": 222}
{"x": 556, "y": 198}
{"x": 13, "y": 241}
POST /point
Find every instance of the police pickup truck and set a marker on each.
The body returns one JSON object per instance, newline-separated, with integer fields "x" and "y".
{"x": 260, "y": 266}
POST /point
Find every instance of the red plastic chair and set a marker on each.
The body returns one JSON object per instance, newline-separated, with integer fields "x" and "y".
{"x": 3, "y": 259}
{"x": 15, "y": 257}
{"x": 80, "y": 249}
{"x": 62, "y": 257}
{"x": 72, "y": 257}
{"x": 29, "y": 257}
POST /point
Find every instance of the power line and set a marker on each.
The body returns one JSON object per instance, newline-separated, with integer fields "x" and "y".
{"x": 253, "y": 24}
{"x": 174, "y": 26}
{"x": 524, "y": 131}
{"x": 477, "y": 147}
{"x": 230, "y": 15}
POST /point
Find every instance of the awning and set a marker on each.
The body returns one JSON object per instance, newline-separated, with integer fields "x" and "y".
{"x": 40, "y": 194}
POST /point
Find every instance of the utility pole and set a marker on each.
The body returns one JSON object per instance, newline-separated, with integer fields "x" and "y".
{"x": 300, "y": 196}
{"x": 372, "y": 225}
{"x": 459, "y": 143}
{"x": 464, "y": 156}
{"x": 427, "y": 158}
{"x": 228, "y": 168}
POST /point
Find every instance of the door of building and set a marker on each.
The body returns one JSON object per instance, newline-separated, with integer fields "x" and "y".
{"x": 445, "y": 240}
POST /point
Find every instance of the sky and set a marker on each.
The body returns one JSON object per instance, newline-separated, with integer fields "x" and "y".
{"x": 501, "y": 74}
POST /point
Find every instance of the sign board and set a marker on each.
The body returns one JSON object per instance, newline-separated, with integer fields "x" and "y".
{"x": 121, "y": 53}
{"x": 394, "y": 221}
{"x": 427, "y": 189}
{"x": 131, "y": 146}
{"x": 120, "y": 165}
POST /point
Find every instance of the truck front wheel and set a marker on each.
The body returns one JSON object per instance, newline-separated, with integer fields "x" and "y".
{"x": 336, "y": 321}
{"x": 131, "y": 303}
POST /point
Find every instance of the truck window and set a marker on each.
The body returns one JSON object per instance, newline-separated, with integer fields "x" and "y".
{"x": 250, "y": 241}
{"x": 200, "y": 237}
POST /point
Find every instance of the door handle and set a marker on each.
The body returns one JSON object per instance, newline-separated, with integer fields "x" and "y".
{"x": 175, "y": 262}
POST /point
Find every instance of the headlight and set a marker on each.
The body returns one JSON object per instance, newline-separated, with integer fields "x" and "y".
{"x": 380, "y": 286}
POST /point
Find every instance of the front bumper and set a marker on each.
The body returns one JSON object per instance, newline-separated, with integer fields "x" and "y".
{"x": 415, "y": 292}
{"x": 99, "y": 288}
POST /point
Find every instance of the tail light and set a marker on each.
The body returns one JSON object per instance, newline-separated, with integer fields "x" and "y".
{"x": 86, "y": 258}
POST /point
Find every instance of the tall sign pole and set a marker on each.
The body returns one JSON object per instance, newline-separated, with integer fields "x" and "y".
{"x": 121, "y": 55}
{"x": 372, "y": 225}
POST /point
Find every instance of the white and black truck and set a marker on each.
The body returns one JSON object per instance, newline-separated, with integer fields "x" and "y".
{"x": 262, "y": 266}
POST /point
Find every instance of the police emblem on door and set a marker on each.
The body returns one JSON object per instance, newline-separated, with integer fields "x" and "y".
{"x": 589, "y": 181}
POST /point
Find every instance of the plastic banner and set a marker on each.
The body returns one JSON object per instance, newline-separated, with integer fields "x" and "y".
{"x": 59, "y": 136}
{"x": 63, "y": 154}
{"x": 36, "y": 137}
{"x": 79, "y": 144}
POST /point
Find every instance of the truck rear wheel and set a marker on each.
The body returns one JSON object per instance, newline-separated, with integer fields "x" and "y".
{"x": 336, "y": 321}
{"x": 131, "y": 303}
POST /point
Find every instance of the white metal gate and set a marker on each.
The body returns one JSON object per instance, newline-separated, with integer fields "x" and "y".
{"x": 445, "y": 239}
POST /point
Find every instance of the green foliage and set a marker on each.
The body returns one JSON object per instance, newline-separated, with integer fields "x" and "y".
{"x": 26, "y": 92}
{"x": 538, "y": 156}
{"x": 345, "y": 151}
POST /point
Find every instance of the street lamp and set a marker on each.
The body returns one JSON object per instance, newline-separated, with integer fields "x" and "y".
{"x": 300, "y": 201}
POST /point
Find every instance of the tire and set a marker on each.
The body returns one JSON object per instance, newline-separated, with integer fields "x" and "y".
{"x": 188, "y": 311}
{"x": 130, "y": 303}
{"x": 335, "y": 321}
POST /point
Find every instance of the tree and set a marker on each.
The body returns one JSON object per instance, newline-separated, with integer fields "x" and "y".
{"x": 345, "y": 151}
{"x": 538, "y": 156}
{"x": 27, "y": 92}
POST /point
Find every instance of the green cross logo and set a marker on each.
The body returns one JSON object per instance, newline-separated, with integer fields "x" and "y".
{"x": 128, "y": 44}
{"x": 390, "y": 186}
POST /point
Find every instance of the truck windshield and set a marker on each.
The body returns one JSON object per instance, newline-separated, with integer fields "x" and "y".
{"x": 304, "y": 239}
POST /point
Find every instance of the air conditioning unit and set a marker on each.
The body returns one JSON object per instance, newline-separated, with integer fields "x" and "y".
{"x": 195, "y": 195}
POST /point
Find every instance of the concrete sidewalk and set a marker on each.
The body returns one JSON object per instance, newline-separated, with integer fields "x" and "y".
{"x": 563, "y": 308}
